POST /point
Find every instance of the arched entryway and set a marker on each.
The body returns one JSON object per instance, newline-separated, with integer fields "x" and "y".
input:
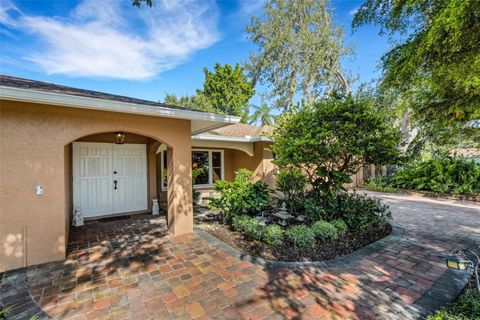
{"x": 112, "y": 174}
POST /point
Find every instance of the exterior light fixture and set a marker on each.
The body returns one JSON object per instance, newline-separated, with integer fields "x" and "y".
{"x": 461, "y": 262}
{"x": 457, "y": 263}
{"x": 119, "y": 137}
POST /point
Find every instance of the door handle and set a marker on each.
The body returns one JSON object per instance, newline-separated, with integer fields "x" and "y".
{"x": 114, "y": 184}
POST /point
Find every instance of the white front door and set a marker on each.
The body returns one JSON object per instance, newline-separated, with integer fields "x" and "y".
{"x": 109, "y": 178}
{"x": 130, "y": 177}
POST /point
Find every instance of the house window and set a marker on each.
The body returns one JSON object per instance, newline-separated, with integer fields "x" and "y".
{"x": 201, "y": 167}
{"x": 207, "y": 167}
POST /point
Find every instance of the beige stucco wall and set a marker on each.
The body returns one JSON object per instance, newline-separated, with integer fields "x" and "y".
{"x": 34, "y": 149}
{"x": 261, "y": 163}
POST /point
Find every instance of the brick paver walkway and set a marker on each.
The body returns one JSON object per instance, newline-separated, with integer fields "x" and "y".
{"x": 133, "y": 269}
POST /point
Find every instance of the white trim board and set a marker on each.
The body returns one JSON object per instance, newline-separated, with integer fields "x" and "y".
{"x": 27, "y": 95}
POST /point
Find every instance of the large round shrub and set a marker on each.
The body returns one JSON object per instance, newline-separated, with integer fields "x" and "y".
{"x": 340, "y": 225}
{"x": 324, "y": 230}
{"x": 273, "y": 234}
{"x": 301, "y": 236}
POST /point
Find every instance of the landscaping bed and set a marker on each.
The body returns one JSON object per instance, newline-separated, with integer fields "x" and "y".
{"x": 351, "y": 241}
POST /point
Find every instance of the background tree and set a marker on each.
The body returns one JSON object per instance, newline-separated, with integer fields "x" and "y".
{"x": 436, "y": 64}
{"x": 194, "y": 102}
{"x": 262, "y": 113}
{"x": 139, "y": 3}
{"x": 299, "y": 50}
{"x": 228, "y": 90}
{"x": 333, "y": 139}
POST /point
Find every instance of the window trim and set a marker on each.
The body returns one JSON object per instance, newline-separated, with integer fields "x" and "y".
{"x": 210, "y": 183}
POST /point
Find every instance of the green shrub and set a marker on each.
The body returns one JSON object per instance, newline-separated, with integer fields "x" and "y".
{"x": 379, "y": 183}
{"x": 361, "y": 211}
{"x": 340, "y": 226}
{"x": 313, "y": 209}
{"x": 466, "y": 307}
{"x": 443, "y": 174}
{"x": 239, "y": 222}
{"x": 273, "y": 235}
{"x": 240, "y": 196}
{"x": 291, "y": 182}
{"x": 301, "y": 235}
{"x": 249, "y": 226}
{"x": 324, "y": 230}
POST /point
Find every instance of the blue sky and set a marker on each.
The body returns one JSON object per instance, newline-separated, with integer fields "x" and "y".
{"x": 112, "y": 47}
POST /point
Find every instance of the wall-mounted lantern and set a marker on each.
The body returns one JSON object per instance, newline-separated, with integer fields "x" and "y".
{"x": 119, "y": 137}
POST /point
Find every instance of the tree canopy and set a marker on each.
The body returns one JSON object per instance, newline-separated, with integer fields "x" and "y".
{"x": 332, "y": 139}
{"x": 194, "y": 102}
{"x": 299, "y": 50}
{"x": 139, "y": 3}
{"x": 228, "y": 90}
{"x": 436, "y": 62}
{"x": 261, "y": 113}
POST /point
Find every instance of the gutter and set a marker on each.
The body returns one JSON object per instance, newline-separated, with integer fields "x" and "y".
{"x": 230, "y": 139}
{"x": 66, "y": 100}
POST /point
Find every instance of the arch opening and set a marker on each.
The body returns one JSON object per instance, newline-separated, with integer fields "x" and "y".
{"x": 105, "y": 179}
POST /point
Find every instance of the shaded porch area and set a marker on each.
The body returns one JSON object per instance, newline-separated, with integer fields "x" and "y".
{"x": 133, "y": 268}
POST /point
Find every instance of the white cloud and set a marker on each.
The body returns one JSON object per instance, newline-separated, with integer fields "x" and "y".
{"x": 112, "y": 39}
{"x": 251, "y": 7}
{"x": 353, "y": 11}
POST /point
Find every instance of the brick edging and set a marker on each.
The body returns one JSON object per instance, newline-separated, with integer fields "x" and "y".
{"x": 395, "y": 235}
{"x": 444, "y": 290}
{"x": 14, "y": 292}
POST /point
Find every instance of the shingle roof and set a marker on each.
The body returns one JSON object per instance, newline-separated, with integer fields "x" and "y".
{"x": 241, "y": 130}
{"x": 8, "y": 81}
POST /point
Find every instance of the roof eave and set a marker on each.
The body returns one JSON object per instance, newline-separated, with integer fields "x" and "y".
{"x": 230, "y": 139}
{"x": 66, "y": 100}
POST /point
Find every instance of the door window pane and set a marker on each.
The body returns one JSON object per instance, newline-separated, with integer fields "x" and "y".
{"x": 216, "y": 166}
{"x": 200, "y": 167}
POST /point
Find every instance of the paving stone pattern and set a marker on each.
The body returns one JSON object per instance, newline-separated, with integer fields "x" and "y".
{"x": 133, "y": 269}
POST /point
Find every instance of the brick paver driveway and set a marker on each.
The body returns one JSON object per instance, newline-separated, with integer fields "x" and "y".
{"x": 133, "y": 269}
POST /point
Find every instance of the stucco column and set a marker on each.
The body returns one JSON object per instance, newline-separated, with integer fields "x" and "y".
{"x": 180, "y": 204}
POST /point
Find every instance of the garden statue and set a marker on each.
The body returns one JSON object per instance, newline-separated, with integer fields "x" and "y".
{"x": 77, "y": 220}
{"x": 283, "y": 215}
{"x": 155, "y": 207}
{"x": 261, "y": 218}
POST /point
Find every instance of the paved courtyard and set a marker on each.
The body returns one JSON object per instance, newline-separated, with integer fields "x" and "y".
{"x": 132, "y": 269}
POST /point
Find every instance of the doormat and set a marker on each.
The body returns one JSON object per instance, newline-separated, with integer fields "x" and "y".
{"x": 113, "y": 218}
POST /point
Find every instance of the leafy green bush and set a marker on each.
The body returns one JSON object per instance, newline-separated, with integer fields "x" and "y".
{"x": 291, "y": 182}
{"x": 466, "y": 307}
{"x": 273, "y": 235}
{"x": 379, "y": 183}
{"x": 301, "y": 235}
{"x": 340, "y": 225}
{"x": 249, "y": 226}
{"x": 443, "y": 174}
{"x": 313, "y": 209}
{"x": 324, "y": 230}
{"x": 239, "y": 222}
{"x": 361, "y": 211}
{"x": 240, "y": 196}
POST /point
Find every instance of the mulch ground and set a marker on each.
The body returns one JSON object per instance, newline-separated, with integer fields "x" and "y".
{"x": 324, "y": 250}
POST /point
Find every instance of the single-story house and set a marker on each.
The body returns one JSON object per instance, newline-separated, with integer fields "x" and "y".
{"x": 66, "y": 150}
